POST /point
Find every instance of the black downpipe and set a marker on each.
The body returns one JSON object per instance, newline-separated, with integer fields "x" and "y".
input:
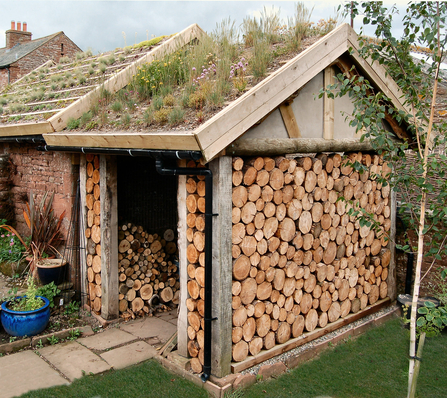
{"x": 208, "y": 252}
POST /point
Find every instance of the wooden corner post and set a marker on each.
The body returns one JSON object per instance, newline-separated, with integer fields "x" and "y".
{"x": 221, "y": 345}
{"x": 182, "y": 243}
{"x": 109, "y": 237}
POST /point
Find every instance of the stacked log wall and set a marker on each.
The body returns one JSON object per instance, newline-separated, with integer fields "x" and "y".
{"x": 195, "y": 235}
{"x": 301, "y": 258}
{"x": 93, "y": 232}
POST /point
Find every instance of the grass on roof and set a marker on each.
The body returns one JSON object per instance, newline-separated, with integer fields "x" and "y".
{"x": 182, "y": 89}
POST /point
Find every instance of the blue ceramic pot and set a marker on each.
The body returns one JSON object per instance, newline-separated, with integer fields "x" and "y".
{"x": 25, "y": 323}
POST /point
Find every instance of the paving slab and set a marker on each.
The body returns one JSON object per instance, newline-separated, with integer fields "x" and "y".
{"x": 108, "y": 339}
{"x": 128, "y": 355}
{"x": 170, "y": 317}
{"x": 150, "y": 327}
{"x": 74, "y": 360}
{"x": 26, "y": 371}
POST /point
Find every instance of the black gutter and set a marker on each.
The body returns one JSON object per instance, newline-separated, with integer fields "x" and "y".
{"x": 153, "y": 153}
{"x": 208, "y": 252}
{"x": 159, "y": 156}
{"x": 35, "y": 139}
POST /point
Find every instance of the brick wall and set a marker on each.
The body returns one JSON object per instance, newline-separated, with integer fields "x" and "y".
{"x": 3, "y": 78}
{"x": 39, "y": 172}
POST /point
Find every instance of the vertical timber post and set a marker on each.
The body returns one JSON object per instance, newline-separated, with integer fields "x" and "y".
{"x": 221, "y": 346}
{"x": 328, "y": 105}
{"x": 392, "y": 288}
{"x": 109, "y": 237}
{"x": 82, "y": 224}
{"x": 182, "y": 243}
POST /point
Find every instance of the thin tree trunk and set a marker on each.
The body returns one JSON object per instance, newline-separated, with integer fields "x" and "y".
{"x": 417, "y": 279}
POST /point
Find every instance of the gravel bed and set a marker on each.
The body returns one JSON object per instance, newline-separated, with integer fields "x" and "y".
{"x": 296, "y": 351}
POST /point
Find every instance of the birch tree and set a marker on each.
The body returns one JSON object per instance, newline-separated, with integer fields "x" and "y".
{"x": 421, "y": 182}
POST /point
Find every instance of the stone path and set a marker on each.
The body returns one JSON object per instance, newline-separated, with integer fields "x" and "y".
{"x": 117, "y": 347}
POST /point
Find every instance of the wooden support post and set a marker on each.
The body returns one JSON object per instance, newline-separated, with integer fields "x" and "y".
{"x": 392, "y": 288}
{"x": 222, "y": 266}
{"x": 328, "y": 106}
{"x": 82, "y": 238}
{"x": 182, "y": 243}
{"x": 289, "y": 120}
{"x": 109, "y": 237}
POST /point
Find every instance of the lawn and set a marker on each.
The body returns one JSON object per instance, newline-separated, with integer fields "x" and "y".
{"x": 147, "y": 380}
{"x": 372, "y": 365}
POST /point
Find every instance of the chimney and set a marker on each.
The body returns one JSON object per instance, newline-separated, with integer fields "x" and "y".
{"x": 18, "y": 36}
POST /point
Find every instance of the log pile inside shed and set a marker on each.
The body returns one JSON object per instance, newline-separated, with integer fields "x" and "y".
{"x": 148, "y": 266}
{"x": 301, "y": 259}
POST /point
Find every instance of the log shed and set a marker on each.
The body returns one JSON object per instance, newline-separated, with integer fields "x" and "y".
{"x": 269, "y": 254}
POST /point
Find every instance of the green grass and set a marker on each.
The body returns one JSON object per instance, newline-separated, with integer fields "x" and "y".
{"x": 148, "y": 379}
{"x": 373, "y": 365}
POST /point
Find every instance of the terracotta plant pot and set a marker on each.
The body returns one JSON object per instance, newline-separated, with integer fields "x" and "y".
{"x": 52, "y": 270}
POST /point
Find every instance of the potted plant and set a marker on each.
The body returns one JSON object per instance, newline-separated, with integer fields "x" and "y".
{"x": 27, "y": 315}
{"x": 45, "y": 228}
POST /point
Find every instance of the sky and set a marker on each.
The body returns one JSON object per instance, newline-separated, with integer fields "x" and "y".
{"x": 105, "y": 25}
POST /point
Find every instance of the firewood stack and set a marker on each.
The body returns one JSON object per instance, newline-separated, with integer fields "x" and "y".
{"x": 147, "y": 267}
{"x": 195, "y": 234}
{"x": 93, "y": 233}
{"x": 301, "y": 260}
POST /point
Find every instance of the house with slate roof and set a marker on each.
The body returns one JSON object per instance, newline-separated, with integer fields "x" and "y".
{"x": 22, "y": 54}
{"x": 268, "y": 256}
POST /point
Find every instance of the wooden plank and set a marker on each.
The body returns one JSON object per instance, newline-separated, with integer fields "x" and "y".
{"x": 306, "y": 337}
{"x": 218, "y": 132}
{"x": 328, "y": 105}
{"x": 222, "y": 266}
{"x": 391, "y": 280}
{"x": 12, "y": 130}
{"x": 169, "y": 345}
{"x": 289, "y": 120}
{"x": 169, "y": 140}
{"x": 123, "y": 77}
{"x": 281, "y": 146}
{"x": 109, "y": 236}
{"x": 377, "y": 74}
{"x": 182, "y": 243}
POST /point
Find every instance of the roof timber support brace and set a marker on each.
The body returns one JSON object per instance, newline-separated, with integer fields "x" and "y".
{"x": 349, "y": 69}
